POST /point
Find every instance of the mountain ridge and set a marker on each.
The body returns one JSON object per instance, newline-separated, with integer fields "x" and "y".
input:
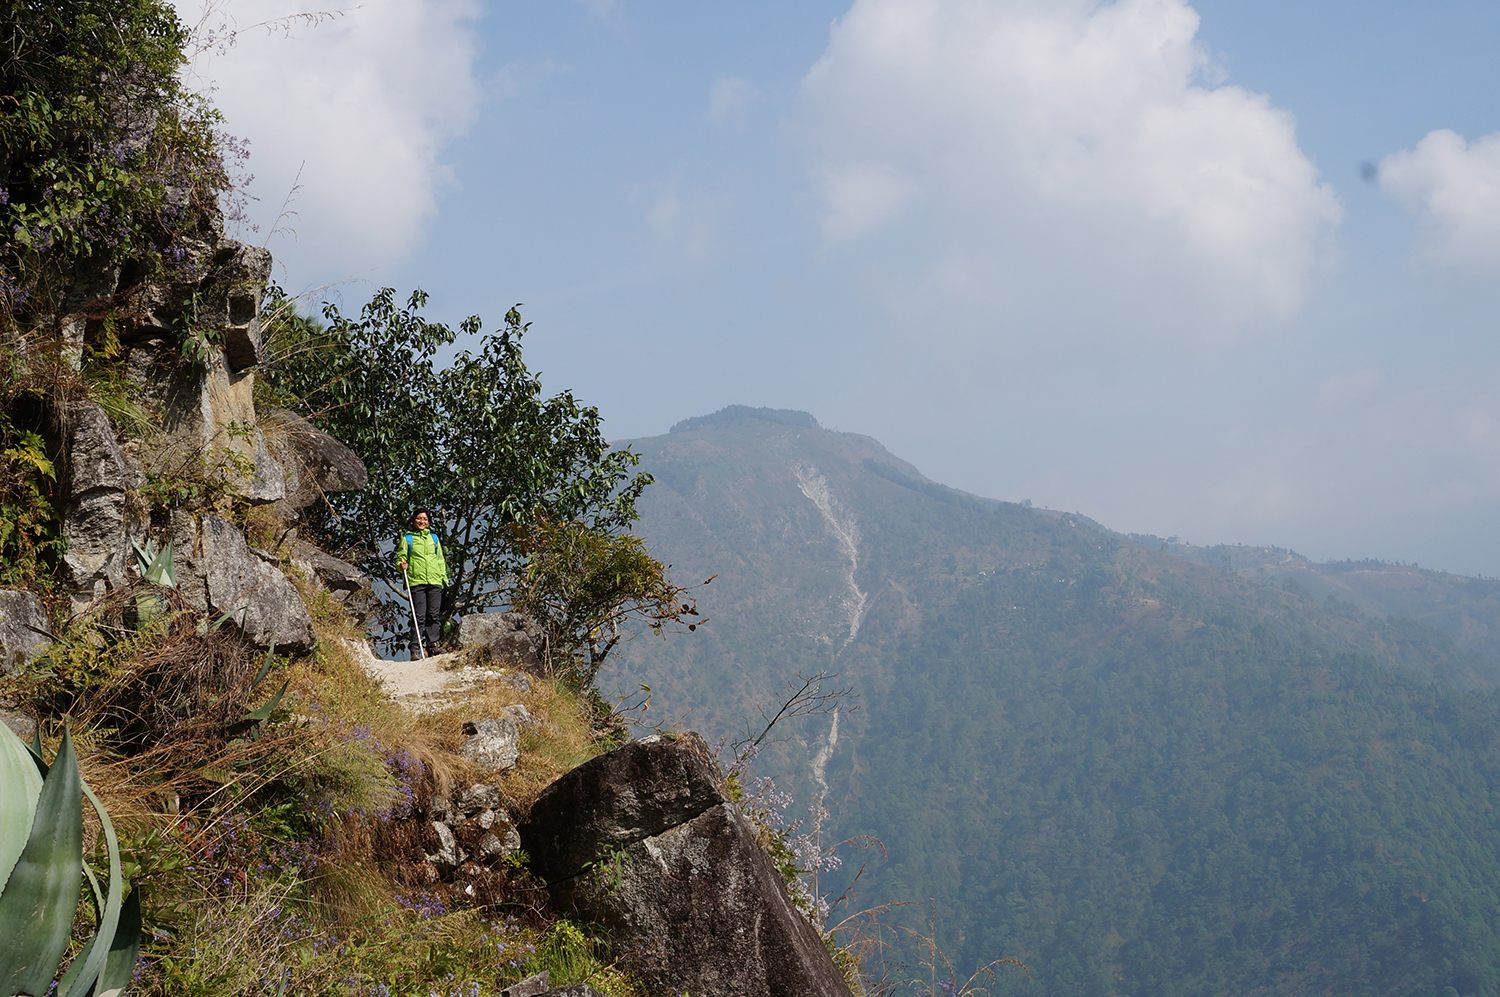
{"x": 1019, "y": 667}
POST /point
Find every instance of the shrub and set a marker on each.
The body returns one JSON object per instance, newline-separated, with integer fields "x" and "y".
{"x": 107, "y": 158}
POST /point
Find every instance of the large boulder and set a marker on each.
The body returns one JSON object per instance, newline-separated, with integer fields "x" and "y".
{"x": 313, "y": 463}
{"x": 218, "y": 571}
{"x": 243, "y": 272}
{"x": 512, "y": 639}
{"x": 210, "y": 431}
{"x": 24, "y": 629}
{"x": 345, "y": 582}
{"x": 642, "y": 842}
{"x": 98, "y": 521}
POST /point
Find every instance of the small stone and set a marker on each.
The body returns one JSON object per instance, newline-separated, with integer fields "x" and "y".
{"x": 24, "y": 629}
{"x": 448, "y": 855}
{"x": 492, "y": 846}
{"x": 532, "y": 986}
{"x": 478, "y": 797}
{"x": 496, "y": 744}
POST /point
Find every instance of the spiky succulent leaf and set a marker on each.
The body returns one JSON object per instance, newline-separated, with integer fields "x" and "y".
{"x": 123, "y": 950}
{"x": 156, "y": 565}
{"x": 259, "y": 716}
{"x": 36, "y": 909}
{"x": 20, "y": 784}
{"x": 162, "y": 571}
{"x": 265, "y": 667}
{"x": 85, "y": 970}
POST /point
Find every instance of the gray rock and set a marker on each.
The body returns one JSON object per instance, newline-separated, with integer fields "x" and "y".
{"x": 495, "y": 744}
{"x": 479, "y": 797}
{"x": 24, "y": 629}
{"x": 517, "y": 681}
{"x": 448, "y": 856}
{"x": 22, "y": 726}
{"x": 572, "y": 990}
{"x": 634, "y": 792}
{"x": 97, "y": 521}
{"x": 493, "y": 846}
{"x": 347, "y": 583}
{"x": 641, "y": 842}
{"x": 210, "y": 432}
{"x": 267, "y": 478}
{"x": 513, "y": 640}
{"x": 532, "y": 986}
{"x": 245, "y": 271}
{"x": 314, "y": 464}
{"x": 219, "y": 572}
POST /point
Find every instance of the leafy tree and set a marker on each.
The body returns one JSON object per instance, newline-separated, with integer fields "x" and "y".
{"x": 105, "y": 156}
{"x": 475, "y": 441}
{"x": 581, "y": 583}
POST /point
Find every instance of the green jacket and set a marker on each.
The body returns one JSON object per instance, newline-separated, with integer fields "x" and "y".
{"x": 423, "y": 554}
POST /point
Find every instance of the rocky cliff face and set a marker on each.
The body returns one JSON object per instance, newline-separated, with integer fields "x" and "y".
{"x": 642, "y": 841}
{"x": 211, "y": 452}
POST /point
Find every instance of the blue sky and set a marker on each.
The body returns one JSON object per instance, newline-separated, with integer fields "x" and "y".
{"x": 1219, "y": 270}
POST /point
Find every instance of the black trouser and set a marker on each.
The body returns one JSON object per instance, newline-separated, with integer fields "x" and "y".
{"x": 427, "y": 601}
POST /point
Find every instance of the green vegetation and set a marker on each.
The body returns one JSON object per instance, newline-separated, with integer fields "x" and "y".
{"x": 108, "y": 159}
{"x": 474, "y": 440}
{"x": 582, "y": 584}
{"x": 1135, "y": 774}
{"x": 41, "y": 872}
{"x": 272, "y": 813}
{"x": 29, "y": 539}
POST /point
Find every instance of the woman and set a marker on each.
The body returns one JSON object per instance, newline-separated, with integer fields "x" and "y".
{"x": 419, "y": 555}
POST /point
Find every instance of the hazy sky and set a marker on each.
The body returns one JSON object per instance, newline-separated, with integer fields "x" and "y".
{"x": 1223, "y": 270}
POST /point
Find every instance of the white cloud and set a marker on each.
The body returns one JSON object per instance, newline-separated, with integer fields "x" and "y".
{"x": 1086, "y": 146}
{"x": 861, "y": 197}
{"x": 728, "y": 98}
{"x": 681, "y": 220}
{"x": 354, "y": 111}
{"x": 1453, "y": 188}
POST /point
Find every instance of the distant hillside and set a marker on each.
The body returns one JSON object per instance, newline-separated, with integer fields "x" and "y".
{"x": 1140, "y": 768}
{"x": 1467, "y": 610}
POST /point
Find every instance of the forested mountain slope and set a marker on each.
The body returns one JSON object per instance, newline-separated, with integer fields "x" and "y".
{"x": 1138, "y": 771}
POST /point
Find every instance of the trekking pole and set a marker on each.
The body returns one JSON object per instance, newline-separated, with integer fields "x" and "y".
{"x": 416, "y": 625}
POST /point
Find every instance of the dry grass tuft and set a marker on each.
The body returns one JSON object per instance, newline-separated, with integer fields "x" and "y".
{"x": 561, "y": 738}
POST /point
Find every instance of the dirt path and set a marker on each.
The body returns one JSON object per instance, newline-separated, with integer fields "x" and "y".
{"x": 428, "y": 684}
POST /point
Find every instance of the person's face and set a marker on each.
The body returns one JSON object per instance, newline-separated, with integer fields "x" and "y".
{"x": 420, "y": 520}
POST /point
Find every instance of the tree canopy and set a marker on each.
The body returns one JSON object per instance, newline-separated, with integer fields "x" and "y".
{"x": 105, "y": 156}
{"x": 476, "y": 441}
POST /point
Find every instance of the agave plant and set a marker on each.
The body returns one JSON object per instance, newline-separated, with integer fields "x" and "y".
{"x": 156, "y": 567}
{"x": 41, "y": 873}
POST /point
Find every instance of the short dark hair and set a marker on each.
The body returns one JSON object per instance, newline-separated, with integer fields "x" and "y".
{"x": 421, "y": 512}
